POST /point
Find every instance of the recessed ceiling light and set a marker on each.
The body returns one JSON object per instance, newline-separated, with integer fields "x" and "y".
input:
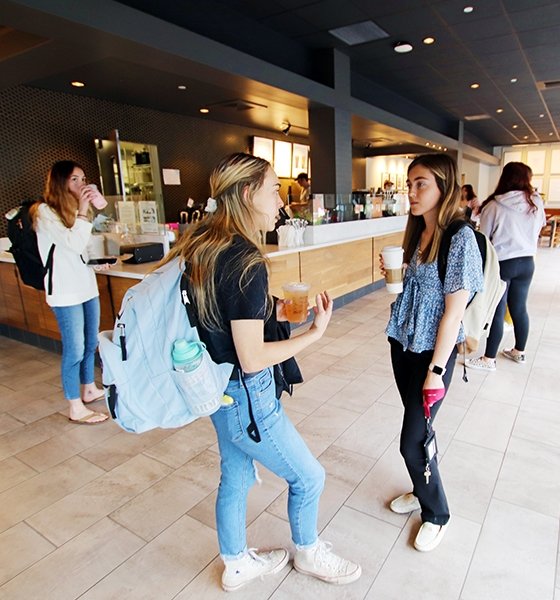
{"x": 551, "y": 133}
{"x": 475, "y": 86}
{"x": 181, "y": 87}
{"x": 77, "y": 83}
{"x": 429, "y": 40}
{"x": 427, "y": 143}
{"x": 515, "y": 126}
{"x": 525, "y": 137}
{"x": 499, "y": 110}
{"x": 468, "y": 9}
{"x": 445, "y": 149}
{"x": 204, "y": 111}
{"x": 513, "y": 80}
{"x": 541, "y": 116}
{"x": 402, "y": 47}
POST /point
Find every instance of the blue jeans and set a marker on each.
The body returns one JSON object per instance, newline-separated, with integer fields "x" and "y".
{"x": 281, "y": 450}
{"x": 78, "y": 325}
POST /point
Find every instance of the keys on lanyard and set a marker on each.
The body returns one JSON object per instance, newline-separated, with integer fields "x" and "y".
{"x": 430, "y": 397}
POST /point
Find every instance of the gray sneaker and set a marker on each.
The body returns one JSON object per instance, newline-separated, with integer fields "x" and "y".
{"x": 518, "y": 358}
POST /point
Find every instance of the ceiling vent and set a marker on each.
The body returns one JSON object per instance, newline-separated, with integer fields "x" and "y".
{"x": 238, "y": 105}
{"x": 479, "y": 117}
{"x": 548, "y": 85}
{"x": 359, "y": 33}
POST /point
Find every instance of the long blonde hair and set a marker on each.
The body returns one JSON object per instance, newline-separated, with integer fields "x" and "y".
{"x": 444, "y": 169}
{"x": 232, "y": 183}
{"x": 56, "y": 194}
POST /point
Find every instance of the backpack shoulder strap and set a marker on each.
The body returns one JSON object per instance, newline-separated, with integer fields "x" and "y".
{"x": 445, "y": 244}
{"x": 49, "y": 268}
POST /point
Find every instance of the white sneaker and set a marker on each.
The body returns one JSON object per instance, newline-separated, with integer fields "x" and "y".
{"x": 319, "y": 561}
{"x": 405, "y": 504}
{"x": 481, "y": 364}
{"x": 253, "y": 565}
{"x": 429, "y": 536}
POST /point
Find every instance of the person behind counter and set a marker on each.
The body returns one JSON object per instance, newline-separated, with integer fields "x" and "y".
{"x": 305, "y": 186}
{"x": 228, "y": 288}
{"x": 424, "y": 327}
{"x": 62, "y": 217}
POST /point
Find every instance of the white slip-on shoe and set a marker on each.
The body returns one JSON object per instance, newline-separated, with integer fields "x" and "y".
{"x": 253, "y": 565}
{"x": 406, "y": 503}
{"x": 481, "y": 364}
{"x": 321, "y": 562}
{"x": 518, "y": 358}
{"x": 429, "y": 536}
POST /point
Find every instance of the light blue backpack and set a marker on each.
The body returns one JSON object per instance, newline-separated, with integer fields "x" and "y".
{"x": 142, "y": 390}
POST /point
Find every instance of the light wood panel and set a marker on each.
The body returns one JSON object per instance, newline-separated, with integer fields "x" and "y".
{"x": 391, "y": 239}
{"x": 11, "y": 306}
{"x": 119, "y": 285}
{"x": 339, "y": 269}
{"x": 283, "y": 269}
{"x": 107, "y": 320}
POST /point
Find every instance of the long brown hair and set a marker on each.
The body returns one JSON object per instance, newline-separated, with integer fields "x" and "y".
{"x": 56, "y": 194}
{"x": 444, "y": 169}
{"x": 233, "y": 181}
{"x": 516, "y": 176}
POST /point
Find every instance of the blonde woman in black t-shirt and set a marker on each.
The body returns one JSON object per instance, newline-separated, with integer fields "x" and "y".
{"x": 228, "y": 284}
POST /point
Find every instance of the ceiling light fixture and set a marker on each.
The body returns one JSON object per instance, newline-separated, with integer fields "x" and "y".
{"x": 475, "y": 86}
{"x": 513, "y": 80}
{"x": 285, "y": 127}
{"x": 525, "y": 137}
{"x": 541, "y": 116}
{"x": 514, "y": 126}
{"x": 499, "y": 110}
{"x": 468, "y": 9}
{"x": 445, "y": 149}
{"x": 181, "y": 87}
{"x": 204, "y": 110}
{"x": 402, "y": 47}
{"x": 429, "y": 40}
{"x": 427, "y": 143}
{"x": 77, "y": 84}
{"x": 551, "y": 133}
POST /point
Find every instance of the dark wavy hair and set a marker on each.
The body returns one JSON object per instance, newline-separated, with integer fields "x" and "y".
{"x": 516, "y": 176}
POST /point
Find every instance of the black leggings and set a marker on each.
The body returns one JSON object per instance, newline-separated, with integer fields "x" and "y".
{"x": 518, "y": 274}
{"x": 410, "y": 370}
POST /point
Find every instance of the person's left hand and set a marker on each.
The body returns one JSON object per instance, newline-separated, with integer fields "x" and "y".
{"x": 281, "y": 310}
{"x": 104, "y": 267}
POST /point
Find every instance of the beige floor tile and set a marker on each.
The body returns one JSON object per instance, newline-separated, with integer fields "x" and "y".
{"x": 505, "y": 386}
{"x": 37, "y": 409}
{"x": 75, "y": 512}
{"x": 36, "y": 493}
{"x": 527, "y": 479}
{"x": 324, "y": 426}
{"x": 314, "y": 364}
{"x": 20, "y": 547}
{"x": 543, "y": 383}
{"x": 181, "y": 446}
{"x": 436, "y": 575}
{"x": 11, "y": 399}
{"x": 72, "y": 569}
{"x": 173, "y": 559}
{"x": 488, "y": 424}
{"x": 169, "y": 499}
{"x": 8, "y": 423}
{"x": 373, "y": 432}
{"x": 469, "y": 475}
{"x": 361, "y": 393}
{"x": 12, "y": 472}
{"x": 538, "y": 420}
{"x": 514, "y": 559}
{"x": 119, "y": 448}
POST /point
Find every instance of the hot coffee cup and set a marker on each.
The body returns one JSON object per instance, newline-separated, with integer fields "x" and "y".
{"x": 95, "y": 197}
{"x": 297, "y": 293}
{"x": 393, "y": 263}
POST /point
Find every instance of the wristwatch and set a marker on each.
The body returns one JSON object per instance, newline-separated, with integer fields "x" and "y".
{"x": 437, "y": 369}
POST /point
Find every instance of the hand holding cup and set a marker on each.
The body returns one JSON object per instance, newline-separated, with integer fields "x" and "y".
{"x": 94, "y": 197}
{"x": 392, "y": 268}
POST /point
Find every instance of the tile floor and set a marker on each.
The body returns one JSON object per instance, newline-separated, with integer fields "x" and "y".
{"x": 96, "y": 513}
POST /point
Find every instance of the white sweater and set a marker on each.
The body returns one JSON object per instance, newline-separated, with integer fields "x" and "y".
{"x": 512, "y": 225}
{"x": 73, "y": 281}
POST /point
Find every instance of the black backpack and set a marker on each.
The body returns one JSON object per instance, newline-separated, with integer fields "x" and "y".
{"x": 25, "y": 249}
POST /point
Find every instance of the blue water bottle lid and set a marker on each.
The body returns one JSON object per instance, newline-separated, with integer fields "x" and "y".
{"x": 184, "y": 351}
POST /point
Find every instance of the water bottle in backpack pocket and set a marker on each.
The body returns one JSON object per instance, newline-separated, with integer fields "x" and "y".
{"x": 194, "y": 377}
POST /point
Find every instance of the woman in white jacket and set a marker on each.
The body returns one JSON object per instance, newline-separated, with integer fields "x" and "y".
{"x": 62, "y": 218}
{"x": 512, "y": 217}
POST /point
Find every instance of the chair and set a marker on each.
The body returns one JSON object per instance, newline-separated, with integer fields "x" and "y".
{"x": 555, "y": 231}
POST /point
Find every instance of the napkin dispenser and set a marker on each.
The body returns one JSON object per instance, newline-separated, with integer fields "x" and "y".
{"x": 143, "y": 253}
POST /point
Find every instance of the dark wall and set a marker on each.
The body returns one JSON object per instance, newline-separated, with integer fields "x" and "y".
{"x": 39, "y": 127}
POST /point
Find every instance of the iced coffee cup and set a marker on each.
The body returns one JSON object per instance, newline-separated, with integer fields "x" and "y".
{"x": 393, "y": 262}
{"x": 297, "y": 293}
{"x": 95, "y": 197}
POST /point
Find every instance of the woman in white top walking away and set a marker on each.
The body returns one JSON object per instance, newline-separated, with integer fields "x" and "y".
{"x": 512, "y": 217}
{"x": 62, "y": 218}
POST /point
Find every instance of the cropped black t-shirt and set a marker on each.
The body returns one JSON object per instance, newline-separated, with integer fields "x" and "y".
{"x": 235, "y": 302}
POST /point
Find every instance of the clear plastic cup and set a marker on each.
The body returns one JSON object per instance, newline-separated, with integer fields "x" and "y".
{"x": 298, "y": 294}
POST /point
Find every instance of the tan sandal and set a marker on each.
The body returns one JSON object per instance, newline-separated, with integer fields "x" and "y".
{"x": 87, "y": 420}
